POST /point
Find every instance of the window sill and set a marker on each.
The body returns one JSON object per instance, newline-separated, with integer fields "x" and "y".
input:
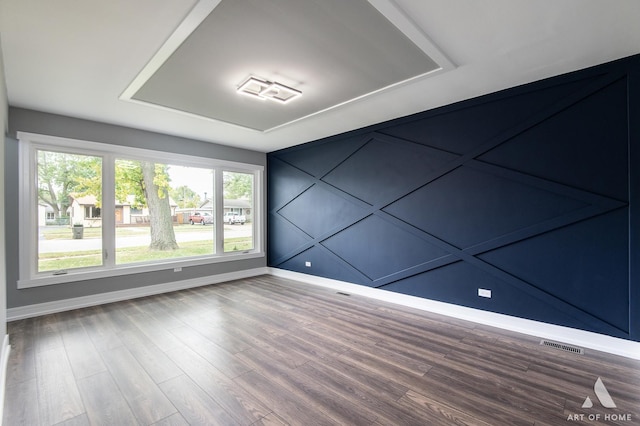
{"x": 77, "y": 275}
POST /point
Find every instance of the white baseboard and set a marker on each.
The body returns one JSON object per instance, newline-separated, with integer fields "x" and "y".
{"x": 558, "y": 333}
{"x": 39, "y": 309}
{"x": 4, "y": 360}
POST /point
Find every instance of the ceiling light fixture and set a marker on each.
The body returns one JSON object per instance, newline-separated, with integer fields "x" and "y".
{"x": 262, "y": 89}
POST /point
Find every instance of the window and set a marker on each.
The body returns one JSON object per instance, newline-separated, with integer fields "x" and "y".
{"x": 237, "y": 203}
{"x": 130, "y": 210}
{"x": 61, "y": 177}
{"x": 180, "y": 192}
{"x": 92, "y": 212}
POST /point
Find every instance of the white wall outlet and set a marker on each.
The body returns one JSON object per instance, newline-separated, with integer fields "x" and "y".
{"x": 307, "y": 264}
{"x": 178, "y": 269}
{"x": 483, "y": 292}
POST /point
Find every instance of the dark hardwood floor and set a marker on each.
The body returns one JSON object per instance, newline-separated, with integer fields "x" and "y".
{"x": 268, "y": 351}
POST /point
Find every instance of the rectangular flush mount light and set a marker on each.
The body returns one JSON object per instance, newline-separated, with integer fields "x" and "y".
{"x": 263, "y": 89}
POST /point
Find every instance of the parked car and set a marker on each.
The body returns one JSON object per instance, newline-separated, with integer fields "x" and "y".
{"x": 232, "y": 218}
{"x": 201, "y": 218}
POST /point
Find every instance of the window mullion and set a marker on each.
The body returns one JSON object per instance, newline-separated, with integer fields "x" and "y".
{"x": 108, "y": 211}
{"x": 257, "y": 210}
{"x": 218, "y": 210}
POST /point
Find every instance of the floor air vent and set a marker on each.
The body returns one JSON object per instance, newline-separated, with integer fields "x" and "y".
{"x": 562, "y": 347}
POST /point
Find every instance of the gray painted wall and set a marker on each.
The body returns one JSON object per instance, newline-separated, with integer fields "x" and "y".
{"x": 3, "y": 130}
{"x": 56, "y": 125}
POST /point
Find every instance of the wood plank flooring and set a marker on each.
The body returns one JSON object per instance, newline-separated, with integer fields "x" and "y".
{"x": 269, "y": 351}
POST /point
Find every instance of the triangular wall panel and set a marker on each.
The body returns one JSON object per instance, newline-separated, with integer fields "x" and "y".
{"x": 384, "y": 169}
{"x": 463, "y": 127}
{"x": 590, "y": 136}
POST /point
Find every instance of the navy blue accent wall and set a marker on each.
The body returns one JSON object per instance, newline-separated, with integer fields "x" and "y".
{"x": 531, "y": 192}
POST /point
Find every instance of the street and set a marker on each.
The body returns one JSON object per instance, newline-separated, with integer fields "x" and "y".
{"x": 205, "y": 233}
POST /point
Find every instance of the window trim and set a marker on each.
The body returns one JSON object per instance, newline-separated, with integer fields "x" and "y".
{"x": 27, "y": 205}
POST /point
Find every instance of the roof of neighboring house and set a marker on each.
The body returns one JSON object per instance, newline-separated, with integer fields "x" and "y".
{"x": 228, "y": 203}
{"x": 205, "y": 202}
{"x": 89, "y": 200}
{"x": 86, "y": 200}
{"x": 237, "y": 203}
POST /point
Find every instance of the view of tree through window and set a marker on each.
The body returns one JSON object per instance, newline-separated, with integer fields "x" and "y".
{"x": 98, "y": 207}
{"x": 68, "y": 187}
{"x": 156, "y": 208}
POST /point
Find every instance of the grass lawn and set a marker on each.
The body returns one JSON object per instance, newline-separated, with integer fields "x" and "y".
{"x": 82, "y": 259}
{"x": 64, "y": 232}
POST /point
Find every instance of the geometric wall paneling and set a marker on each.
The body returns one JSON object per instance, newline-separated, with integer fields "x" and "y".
{"x": 285, "y": 183}
{"x": 319, "y": 160}
{"x": 546, "y": 149}
{"x": 379, "y": 249}
{"x": 318, "y": 211}
{"x": 587, "y": 205}
{"x": 443, "y": 129}
{"x": 386, "y": 168}
{"x": 585, "y": 265}
{"x": 290, "y": 238}
{"x": 485, "y": 207}
{"x": 530, "y": 192}
{"x": 324, "y": 264}
{"x": 458, "y": 282}
{"x": 516, "y": 286}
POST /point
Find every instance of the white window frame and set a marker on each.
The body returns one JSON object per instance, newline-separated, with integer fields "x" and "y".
{"x": 30, "y": 143}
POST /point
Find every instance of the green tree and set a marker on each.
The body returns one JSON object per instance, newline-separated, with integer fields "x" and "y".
{"x": 237, "y": 185}
{"x": 61, "y": 175}
{"x": 129, "y": 183}
{"x": 155, "y": 182}
{"x": 148, "y": 183}
{"x": 186, "y": 196}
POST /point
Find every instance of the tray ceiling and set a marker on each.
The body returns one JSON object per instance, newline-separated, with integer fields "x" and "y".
{"x": 333, "y": 51}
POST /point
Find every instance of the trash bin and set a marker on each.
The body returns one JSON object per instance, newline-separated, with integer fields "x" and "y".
{"x": 78, "y": 232}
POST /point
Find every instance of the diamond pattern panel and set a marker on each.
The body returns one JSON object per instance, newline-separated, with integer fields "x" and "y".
{"x": 382, "y": 249}
{"x": 291, "y": 238}
{"x": 325, "y": 264}
{"x": 555, "y": 148}
{"x": 285, "y": 182}
{"x": 319, "y": 160}
{"x": 485, "y": 206}
{"x": 382, "y": 170}
{"x": 560, "y": 265}
{"x": 317, "y": 211}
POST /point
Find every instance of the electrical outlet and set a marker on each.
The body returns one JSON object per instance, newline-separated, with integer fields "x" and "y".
{"x": 178, "y": 269}
{"x": 307, "y": 264}
{"x": 483, "y": 292}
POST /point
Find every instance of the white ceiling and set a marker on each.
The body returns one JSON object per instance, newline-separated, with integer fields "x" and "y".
{"x": 78, "y": 58}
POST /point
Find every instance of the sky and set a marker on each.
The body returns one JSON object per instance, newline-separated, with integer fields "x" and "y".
{"x": 199, "y": 180}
